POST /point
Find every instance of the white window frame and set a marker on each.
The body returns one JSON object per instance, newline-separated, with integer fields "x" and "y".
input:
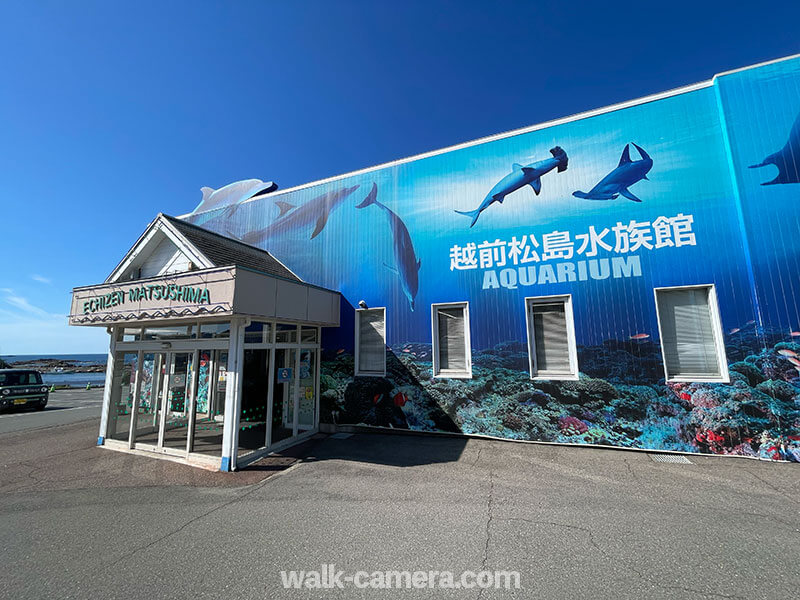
{"x": 359, "y": 373}
{"x": 535, "y": 374}
{"x": 451, "y": 374}
{"x": 716, "y": 326}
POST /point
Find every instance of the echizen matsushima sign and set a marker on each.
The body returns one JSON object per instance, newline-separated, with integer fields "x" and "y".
{"x": 182, "y": 293}
{"x": 176, "y": 295}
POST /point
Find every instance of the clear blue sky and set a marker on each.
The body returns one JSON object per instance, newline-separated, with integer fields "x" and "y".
{"x": 111, "y": 112}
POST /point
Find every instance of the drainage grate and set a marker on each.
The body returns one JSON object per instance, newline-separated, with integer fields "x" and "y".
{"x": 670, "y": 458}
{"x": 341, "y": 436}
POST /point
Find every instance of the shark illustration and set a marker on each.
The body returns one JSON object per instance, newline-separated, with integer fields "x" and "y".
{"x": 787, "y": 159}
{"x": 291, "y": 217}
{"x": 620, "y": 179}
{"x": 519, "y": 177}
{"x": 406, "y": 265}
{"x": 233, "y": 193}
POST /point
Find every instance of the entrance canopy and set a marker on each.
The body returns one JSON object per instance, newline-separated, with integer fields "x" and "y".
{"x": 179, "y": 271}
{"x": 214, "y": 347}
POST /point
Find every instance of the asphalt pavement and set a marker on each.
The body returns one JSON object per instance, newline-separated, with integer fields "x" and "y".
{"x": 78, "y": 521}
{"x": 63, "y": 407}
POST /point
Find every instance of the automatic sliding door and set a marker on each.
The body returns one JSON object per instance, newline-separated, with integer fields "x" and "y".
{"x": 179, "y": 401}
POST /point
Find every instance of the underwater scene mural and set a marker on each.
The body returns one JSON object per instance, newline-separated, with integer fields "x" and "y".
{"x": 619, "y": 400}
{"x": 672, "y": 200}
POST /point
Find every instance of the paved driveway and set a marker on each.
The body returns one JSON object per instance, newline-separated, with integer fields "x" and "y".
{"x": 78, "y": 521}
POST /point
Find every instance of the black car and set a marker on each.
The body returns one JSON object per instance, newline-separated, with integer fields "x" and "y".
{"x": 22, "y": 387}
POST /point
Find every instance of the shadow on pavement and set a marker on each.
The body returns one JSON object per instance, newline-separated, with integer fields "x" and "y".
{"x": 403, "y": 450}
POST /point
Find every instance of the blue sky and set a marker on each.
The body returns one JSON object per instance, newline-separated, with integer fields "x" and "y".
{"x": 111, "y": 112}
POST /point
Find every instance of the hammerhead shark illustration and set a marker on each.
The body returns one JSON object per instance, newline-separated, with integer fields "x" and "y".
{"x": 787, "y": 159}
{"x": 291, "y": 217}
{"x": 620, "y": 179}
{"x": 520, "y": 176}
{"x": 233, "y": 193}
{"x": 406, "y": 265}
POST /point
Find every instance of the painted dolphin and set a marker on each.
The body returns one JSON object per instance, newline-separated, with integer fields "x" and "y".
{"x": 620, "y": 179}
{"x": 519, "y": 177}
{"x": 291, "y": 217}
{"x": 787, "y": 159}
{"x": 233, "y": 194}
{"x": 406, "y": 265}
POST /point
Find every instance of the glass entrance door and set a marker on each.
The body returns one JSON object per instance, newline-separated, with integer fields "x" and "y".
{"x": 307, "y": 392}
{"x": 165, "y": 405}
{"x": 180, "y": 404}
{"x": 151, "y": 399}
{"x": 283, "y": 395}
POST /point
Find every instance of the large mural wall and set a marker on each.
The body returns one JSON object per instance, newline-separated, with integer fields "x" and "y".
{"x": 604, "y": 208}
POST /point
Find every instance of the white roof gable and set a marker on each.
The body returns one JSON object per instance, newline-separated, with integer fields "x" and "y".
{"x": 160, "y": 250}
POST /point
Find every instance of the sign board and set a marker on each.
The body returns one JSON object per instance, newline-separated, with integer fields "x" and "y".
{"x": 285, "y": 374}
{"x": 194, "y": 293}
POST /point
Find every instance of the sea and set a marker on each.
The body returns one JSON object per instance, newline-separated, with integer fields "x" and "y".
{"x": 70, "y": 379}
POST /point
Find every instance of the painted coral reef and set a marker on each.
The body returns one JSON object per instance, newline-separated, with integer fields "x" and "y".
{"x": 621, "y": 398}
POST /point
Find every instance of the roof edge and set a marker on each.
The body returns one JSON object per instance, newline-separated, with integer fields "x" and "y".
{"x": 511, "y": 133}
{"x": 230, "y": 239}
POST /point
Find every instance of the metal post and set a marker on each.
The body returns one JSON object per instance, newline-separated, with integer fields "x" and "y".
{"x": 296, "y": 387}
{"x": 232, "y": 397}
{"x": 101, "y": 436}
{"x": 270, "y": 394}
{"x": 165, "y": 400}
{"x": 193, "y": 401}
{"x": 137, "y": 390}
{"x": 239, "y": 384}
{"x": 317, "y": 359}
{"x": 156, "y": 387}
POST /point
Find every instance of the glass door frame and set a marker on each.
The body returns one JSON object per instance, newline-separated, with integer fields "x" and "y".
{"x": 269, "y": 342}
{"x": 292, "y": 338}
{"x": 168, "y": 349}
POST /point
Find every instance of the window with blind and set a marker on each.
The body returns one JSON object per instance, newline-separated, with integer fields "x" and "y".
{"x": 451, "y": 343}
{"x": 551, "y": 338}
{"x": 371, "y": 342}
{"x": 691, "y": 334}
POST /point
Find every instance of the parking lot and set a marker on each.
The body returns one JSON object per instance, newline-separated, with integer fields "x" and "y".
{"x": 79, "y": 521}
{"x": 63, "y": 406}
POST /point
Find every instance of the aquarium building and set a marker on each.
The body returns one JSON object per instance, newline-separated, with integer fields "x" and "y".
{"x": 627, "y": 277}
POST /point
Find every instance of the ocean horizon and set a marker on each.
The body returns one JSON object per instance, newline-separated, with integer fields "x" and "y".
{"x": 84, "y": 359}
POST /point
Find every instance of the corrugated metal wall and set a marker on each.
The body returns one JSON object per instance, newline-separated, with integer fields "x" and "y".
{"x": 393, "y": 237}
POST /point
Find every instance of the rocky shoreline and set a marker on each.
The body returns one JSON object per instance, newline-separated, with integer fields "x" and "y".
{"x": 52, "y": 365}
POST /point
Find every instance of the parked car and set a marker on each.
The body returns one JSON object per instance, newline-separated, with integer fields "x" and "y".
{"x": 22, "y": 387}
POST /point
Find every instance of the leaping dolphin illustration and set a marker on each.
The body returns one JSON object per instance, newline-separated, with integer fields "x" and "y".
{"x": 620, "y": 179}
{"x": 406, "y": 265}
{"x": 316, "y": 210}
{"x": 787, "y": 159}
{"x": 519, "y": 177}
{"x": 233, "y": 193}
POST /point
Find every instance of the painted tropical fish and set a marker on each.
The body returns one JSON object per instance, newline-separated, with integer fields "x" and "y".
{"x": 787, "y": 159}
{"x": 406, "y": 265}
{"x": 620, "y": 179}
{"x": 233, "y": 193}
{"x": 291, "y": 217}
{"x": 519, "y": 177}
